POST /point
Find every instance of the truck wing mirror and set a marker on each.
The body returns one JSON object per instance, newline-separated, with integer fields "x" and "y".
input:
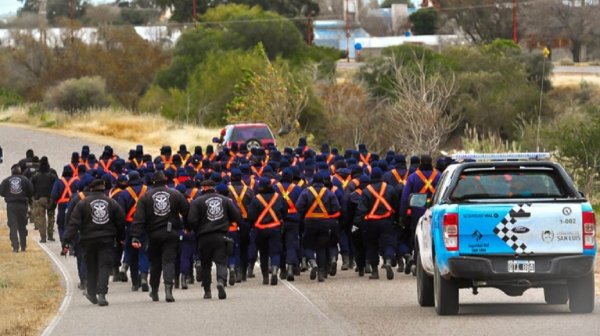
{"x": 417, "y": 200}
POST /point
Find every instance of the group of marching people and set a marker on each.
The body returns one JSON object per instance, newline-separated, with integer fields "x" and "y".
{"x": 297, "y": 210}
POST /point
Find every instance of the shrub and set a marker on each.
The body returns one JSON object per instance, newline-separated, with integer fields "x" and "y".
{"x": 81, "y": 94}
{"x": 9, "y": 98}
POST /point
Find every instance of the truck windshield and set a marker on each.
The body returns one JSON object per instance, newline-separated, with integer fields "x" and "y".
{"x": 247, "y": 133}
{"x": 508, "y": 184}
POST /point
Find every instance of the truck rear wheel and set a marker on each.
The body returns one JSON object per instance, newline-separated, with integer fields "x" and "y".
{"x": 556, "y": 295}
{"x": 446, "y": 294}
{"x": 424, "y": 286}
{"x": 581, "y": 294}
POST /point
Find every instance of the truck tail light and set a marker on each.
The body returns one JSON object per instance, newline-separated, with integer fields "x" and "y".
{"x": 589, "y": 230}
{"x": 451, "y": 231}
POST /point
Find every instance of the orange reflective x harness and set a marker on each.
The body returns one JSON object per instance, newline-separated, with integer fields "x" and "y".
{"x": 343, "y": 181}
{"x": 106, "y": 165}
{"x": 268, "y": 209}
{"x": 192, "y": 195}
{"x": 318, "y": 202}
{"x": 379, "y": 200}
{"x": 114, "y": 192}
{"x": 365, "y": 159}
{"x": 286, "y": 196}
{"x": 67, "y": 192}
{"x": 74, "y": 169}
{"x": 135, "y": 197}
{"x": 137, "y": 164}
{"x": 428, "y": 182}
{"x": 239, "y": 199}
{"x": 400, "y": 179}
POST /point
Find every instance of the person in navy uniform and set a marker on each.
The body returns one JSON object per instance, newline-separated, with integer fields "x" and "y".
{"x": 17, "y": 191}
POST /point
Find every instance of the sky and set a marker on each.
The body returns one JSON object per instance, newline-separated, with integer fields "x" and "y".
{"x": 11, "y": 6}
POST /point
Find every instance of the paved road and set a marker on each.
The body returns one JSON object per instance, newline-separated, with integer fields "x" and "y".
{"x": 343, "y": 305}
{"x": 577, "y": 70}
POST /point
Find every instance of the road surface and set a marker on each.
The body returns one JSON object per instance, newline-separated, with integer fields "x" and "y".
{"x": 343, "y": 305}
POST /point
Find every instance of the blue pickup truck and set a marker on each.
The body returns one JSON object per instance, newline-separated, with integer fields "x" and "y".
{"x": 506, "y": 224}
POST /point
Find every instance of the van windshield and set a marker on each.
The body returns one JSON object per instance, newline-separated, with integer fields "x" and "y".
{"x": 508, "y": 184}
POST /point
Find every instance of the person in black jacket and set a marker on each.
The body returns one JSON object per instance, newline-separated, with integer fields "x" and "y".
{"x": 99, "y": 220}
{"x": 17, "y": 191}
{"x": 159, "y": 214}
{"x": 210, "y": 217}
{"x": 43, "y": 212}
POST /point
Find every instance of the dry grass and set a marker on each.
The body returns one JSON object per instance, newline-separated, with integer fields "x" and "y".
{"x": 110, "y": 125}
{"x": 30, "y": 290}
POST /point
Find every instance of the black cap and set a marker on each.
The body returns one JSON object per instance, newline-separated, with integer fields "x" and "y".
{"x": 208, "y": 183}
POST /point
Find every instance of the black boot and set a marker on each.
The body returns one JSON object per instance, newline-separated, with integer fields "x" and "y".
{"x": 283, "y": 273}
{"x": 400, "y": 265}
{"x": 290, "y": 273}
{"x": 361, "y": 271}
{"x": 102, "y": 300}
{"x": 265, "y": 278}
{"x": 322, "y": 275}
{"x": 388, "y": 269}
{"x": 274, "y": 276}
{"x": 221, "y": 289}
{"x": 91, "y": 298}
{"x": 207, "y": 293}
{"x": 313, "y": 269}
{"x": 238, "y": 274}
{"x": 83, "y": 285}
{"x": 115, "y": 275}
{"x": 176, "y": 282}
{"x": 184, "y": 283}
{"x": 123, "y": 272}
{"x": 169, "y": 293}
{"x": 408, "y": 263}
{"x": 345, "y": 262}
{"x": 374, "y": 273}
{"x": 303, "y": 265}
{"x": 198, "y": 268}
{"x": 232, "y": 276}
{"x": 296, "y": 269}
{"x": 333, "y": 267}
{"x": 251, "y": 271}
{"x": 144, "y": 282}
{"x": 154, "y": 296}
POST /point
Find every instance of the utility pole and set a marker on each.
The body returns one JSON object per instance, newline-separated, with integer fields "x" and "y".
{"x": 195, "y": 10}
{"x": 347, "y": 15}
{"x": 42, "y": 16}
{"x": 309, "y": 29}
{"x": 515, "y": 37}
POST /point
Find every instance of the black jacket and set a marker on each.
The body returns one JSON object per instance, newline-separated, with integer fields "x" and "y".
{"x": 17, "y": 189}
{"x": 156, "y": 209}
{"x": 95, "y": 217}
{"x": 368, "y": 201}
{"x": 212, "y": 213}
{"x": 42, "y": 184}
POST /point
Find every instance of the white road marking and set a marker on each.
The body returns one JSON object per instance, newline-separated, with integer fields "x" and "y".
{"x": 68, "y": 296}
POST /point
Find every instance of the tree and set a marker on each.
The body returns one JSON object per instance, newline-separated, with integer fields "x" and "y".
{"x": 55, "y": 8}
{"x": 276, "y": 97}
{"x": 421, "y": 111}
{"x": 183, "y": 9}
{"x": 227, "y": 28}
{"x": 576, "y": 20}
{"x": 424, "y": 21}
{"x": 389, "y": 3}
{"x": 480, "y": 20}
{"x": 576, "y": 139}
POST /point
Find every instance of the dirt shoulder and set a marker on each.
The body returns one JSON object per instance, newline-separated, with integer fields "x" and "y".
{"x": 30, "y": 289}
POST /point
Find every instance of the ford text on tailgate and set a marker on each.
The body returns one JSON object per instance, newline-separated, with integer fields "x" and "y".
{"x": 509, "y": 225}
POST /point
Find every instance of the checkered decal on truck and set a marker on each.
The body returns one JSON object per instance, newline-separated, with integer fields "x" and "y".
{"x": 504, "y": 229}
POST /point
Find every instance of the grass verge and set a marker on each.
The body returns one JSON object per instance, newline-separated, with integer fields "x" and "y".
{"x": 152, "y": 131}
{"x": 30, "y": 290}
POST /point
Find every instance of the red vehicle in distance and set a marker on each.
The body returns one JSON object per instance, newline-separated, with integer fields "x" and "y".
{"x": 249, "y": 135}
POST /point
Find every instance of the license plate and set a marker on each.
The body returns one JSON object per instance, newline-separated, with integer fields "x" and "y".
{"x": 521, "y": 266}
